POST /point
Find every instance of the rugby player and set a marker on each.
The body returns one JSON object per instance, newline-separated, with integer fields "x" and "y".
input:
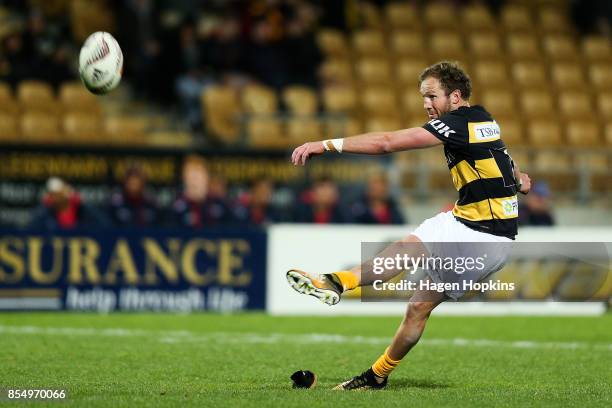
{"x": 486, "y": 212}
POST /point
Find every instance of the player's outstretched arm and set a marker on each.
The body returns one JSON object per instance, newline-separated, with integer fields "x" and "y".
{"x": 368, "y": 143}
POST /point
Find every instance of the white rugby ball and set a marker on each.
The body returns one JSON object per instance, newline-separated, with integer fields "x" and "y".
{"x": 100, "y": 63}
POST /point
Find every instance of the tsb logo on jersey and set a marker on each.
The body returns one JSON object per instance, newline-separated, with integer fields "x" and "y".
{"x": 510, "y": 207}
{"x": 486, "y": 131}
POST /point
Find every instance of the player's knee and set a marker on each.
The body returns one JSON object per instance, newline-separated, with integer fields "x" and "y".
{"x": 419, "y": 310}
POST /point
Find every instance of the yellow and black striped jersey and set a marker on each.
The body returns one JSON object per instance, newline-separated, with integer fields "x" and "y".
{"x": 481, "y": 169}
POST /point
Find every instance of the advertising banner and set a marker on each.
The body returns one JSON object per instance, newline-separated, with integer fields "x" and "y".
{"x": 131, "y": 270}
{"x": 24, "y": 170}
{"x": 556, "y": 270}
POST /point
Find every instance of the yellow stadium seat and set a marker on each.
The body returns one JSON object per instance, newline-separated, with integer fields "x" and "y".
{"x": 408, "y": 71}
{"x": 575, "y": 104}
{"x": 604, "y": 105}
{"x": 536, "y": 103}
{"x": 583, "y": 133}
{"x": 520, "y": 157}
{"x": 90, "y": 16}
{"x": 582, "y": 281}
{"x": 342, "y": 126}
{"x": 510, "y": 274}
{"x": 483, "y": 45}
{"x": 541, "y": 279}
{"x": 596, "y": 48}
{"x": 333, "y": 43}
{"x": 603, "y": 288}
{"x": 601, "y": 76}
{"x": 369, "y": 43}
{"x": 36, "y": 96}
{"x": 407, "y": 43}
{"x": 553, "y": 19}
{"x": 266, "y": 133}
{"x": 371, "y": 15}
{"x": 567, "y": 75}
{"x": 75, "y": 98}
{"x": 337, "y": 71}
{"x": 560, "y": 47}
{"x": 523, "y": 46}
{"x": 412, "y": 101}
{"x": 374, "y": 71}
{"x": 477, "y": 17}
{"x": 552, "y": 163}
{"x": 301, "y": 100}
{"x": 511, "y": 130}
{"x": 544, "y": 133}
{"x": 529, "y": 74}
{"x": 221, "y": 112}
{"x": 304, "y": 129}
{"x": 438, "y": 15}
{"x": 126, "y": 130}
{"x": 83, "y": 128}
{"x": 416, "y": 120}
{"x": 491, "y": 73}
{"x": 433, "y": 158}
{"x": 516, "y": 17}
{"x": 5, "y": 92}
{"x": 446, "y": 45}
{"x": 402, "y": 15}
{"x": 379, "y": 100}
{"x": 596, "y": 162}
{"x": 41, "y": 127}
{"x": 259, "y": 100}
{"x": 8, "y": 104}
{"x": 382, "y": 123}
{"x": 340, "y": 99}
{"x": 498, "y": 101}
{"x": 608, "y": 133}
{"x": 9, "y": 128}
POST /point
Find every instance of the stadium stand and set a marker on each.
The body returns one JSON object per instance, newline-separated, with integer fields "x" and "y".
{"x": 546, "y": 83}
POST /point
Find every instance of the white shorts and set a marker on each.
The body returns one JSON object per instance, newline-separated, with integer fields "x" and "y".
{"x": 445, "y": 237}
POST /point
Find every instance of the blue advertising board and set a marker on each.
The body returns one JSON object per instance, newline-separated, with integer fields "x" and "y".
{"x": 133, "y": 270}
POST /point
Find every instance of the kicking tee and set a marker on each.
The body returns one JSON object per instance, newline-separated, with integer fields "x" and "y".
{"x": 481, "y": 169}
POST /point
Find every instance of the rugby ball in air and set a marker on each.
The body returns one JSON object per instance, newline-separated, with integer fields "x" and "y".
{"x": 100, "y": 63}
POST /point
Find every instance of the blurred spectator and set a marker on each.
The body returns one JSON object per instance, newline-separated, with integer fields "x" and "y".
{"x": 282, "y": 47}
{"x": 18, "y": 65}
{"x": 593, "y": 16}
{"x": 195, "y": 207}
{"x": 62, "y": 208}
{"x": 302, "y": 50}
{"x": 536, "y": 208}
{"x": 195, "y": 77}
{"x": 217, "y": 187}
{"x": 320, "y": 204}
{"x": 256, "y": 206}
{"x": 140, "y": 41}
{"x": 132, "y": 205}
{"x": 376, "y": 206}
{"x": 57, "y": 67}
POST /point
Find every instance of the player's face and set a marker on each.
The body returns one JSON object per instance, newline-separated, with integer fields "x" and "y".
{"x": 435, "y": 100}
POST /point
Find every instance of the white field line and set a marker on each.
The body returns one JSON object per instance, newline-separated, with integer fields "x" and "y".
{"x": 183, "y": 336}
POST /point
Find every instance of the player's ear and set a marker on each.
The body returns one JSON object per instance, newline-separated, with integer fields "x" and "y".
{"x": 455, "y": 96}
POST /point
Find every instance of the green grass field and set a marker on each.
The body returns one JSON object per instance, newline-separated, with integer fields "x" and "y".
{"x": 246, "y": 360}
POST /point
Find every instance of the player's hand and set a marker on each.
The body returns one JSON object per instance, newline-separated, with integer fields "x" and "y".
{"x": 525, "y": 183}
{"x": 303, "y": 152}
